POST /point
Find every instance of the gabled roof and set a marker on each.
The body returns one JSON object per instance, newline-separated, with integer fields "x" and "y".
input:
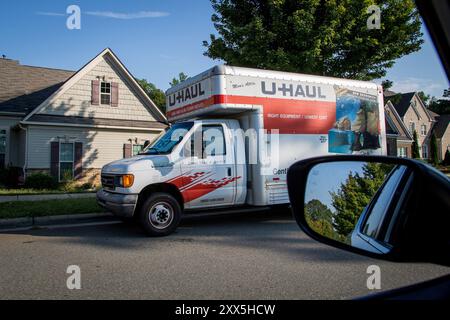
{"x": 396, "y": 124}
{"x": 403, "y": 104}
{"x": 148, "y": 103}
{"x": 24, "y": 88}
{"x": 441, "y": 126}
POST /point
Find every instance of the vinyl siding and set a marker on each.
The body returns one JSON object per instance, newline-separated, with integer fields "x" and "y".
{"x": 76, "y": 101}
{"x": 100, "y": 146}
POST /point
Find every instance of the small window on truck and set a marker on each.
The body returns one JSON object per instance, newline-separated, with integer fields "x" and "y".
{"x": 210, "y": 143}
{"x": 213, "y": 141}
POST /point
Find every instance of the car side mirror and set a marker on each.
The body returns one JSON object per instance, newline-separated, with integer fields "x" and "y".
{"x": 383, "y": 207}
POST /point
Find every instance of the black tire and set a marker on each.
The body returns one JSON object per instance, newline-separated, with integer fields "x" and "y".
{"x": 160, "y": 215}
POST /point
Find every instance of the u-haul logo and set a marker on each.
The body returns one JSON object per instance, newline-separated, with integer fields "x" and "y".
{"x": 292, "y": 90}
{"x": 187, "y": 94}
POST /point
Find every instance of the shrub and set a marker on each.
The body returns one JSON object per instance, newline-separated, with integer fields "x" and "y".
{"x": 86, "y": 186}
{"x": 11, "y": 177}
{"x": 41, "y": 181}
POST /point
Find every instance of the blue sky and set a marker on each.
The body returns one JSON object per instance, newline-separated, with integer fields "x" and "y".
{"x": 156, "y": 39}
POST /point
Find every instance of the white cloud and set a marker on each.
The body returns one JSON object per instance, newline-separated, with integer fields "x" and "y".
{"x": 412, "y": 84}
{"x": 128, "y": 16}
{"x": 52, "y": 14}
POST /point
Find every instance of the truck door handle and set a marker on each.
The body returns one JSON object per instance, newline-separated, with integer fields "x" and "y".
{"x": 229, "y": 172}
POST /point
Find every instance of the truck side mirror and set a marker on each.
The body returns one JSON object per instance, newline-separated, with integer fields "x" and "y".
{"x": 387, "y": 208}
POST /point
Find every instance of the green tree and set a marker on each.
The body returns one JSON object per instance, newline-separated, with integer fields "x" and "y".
{"x": 415, "y": 147}
{"x": 311, "y": 36}
{"x": 434, "y": 158}
{"x": 440, "y": 106}
{"x": 319, "y": 218}
{"x": 424, "y": 97}
{"x": 181, "y": 77}
{"x": 355, "y": 194}
{"x": 156, "y": 95}
{"x": 316, "y": 210}
{"x": 387, "y": 84}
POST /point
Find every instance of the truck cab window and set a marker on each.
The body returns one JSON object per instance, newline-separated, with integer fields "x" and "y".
{"x": 213, "y": 141}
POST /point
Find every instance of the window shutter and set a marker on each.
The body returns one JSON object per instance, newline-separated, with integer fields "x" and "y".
{"x": 54, "y": 159}
{"x": 95, "y": 92}
{"x": 127, "y": 150}
{"x": 77, "y": 163}
{"x": 114, "y": 94}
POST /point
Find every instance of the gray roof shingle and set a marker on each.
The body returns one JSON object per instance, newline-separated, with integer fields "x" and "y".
{"x": 23, "y": 88}
{"x": 403, "y": 104}
{"x": 441, "y": 125}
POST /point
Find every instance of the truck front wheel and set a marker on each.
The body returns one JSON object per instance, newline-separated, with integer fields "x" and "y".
{"x": 160, "y": 215}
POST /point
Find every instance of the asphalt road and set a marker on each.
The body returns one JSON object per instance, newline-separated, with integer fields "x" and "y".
{"x": 251, "y": 256}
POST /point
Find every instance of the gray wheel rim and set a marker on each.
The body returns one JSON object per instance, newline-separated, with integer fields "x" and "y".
{"x": 160, "y": 215}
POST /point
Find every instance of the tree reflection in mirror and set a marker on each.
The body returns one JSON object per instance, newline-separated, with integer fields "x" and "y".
{"x": 348, "y": 201}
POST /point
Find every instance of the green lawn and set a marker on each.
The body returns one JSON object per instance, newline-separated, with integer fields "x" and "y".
{"x": 15, "y": 192}
{"x": 19, "y": 209}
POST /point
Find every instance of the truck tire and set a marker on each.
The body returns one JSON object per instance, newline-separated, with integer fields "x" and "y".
{"x": 160, "y": 215}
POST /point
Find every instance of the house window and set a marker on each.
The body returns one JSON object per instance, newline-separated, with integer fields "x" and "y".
{"x": 412, "y": 127}
{"x": 105, "y": 93}
{"x": 424, "y": 151}
{"x": 423, "y": 129}
{"x": 137, "y": 148}
{"x": 66, "y": 152}
{"x": 401, "y": 152}
{"x": 3, "y": 144}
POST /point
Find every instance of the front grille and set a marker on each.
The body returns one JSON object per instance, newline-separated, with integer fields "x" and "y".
{"x": 107, "y": 181}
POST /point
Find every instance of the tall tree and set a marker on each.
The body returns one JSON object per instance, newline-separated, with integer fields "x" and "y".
{"x": 434, "y": 158}
{"x": 387, "y": 84}
{"x": 181, "y": 77}
{"x": 155, "y": 94}
{"x": 415, "y": 146}
{"x": 424, "y": 97}
{"x": 355, "y": 194}
{"x": 317, "y": 37}
{"x": 440, "y": 106}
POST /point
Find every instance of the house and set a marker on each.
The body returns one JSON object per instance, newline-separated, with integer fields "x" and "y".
{"x": 399, "y": 139}
{"x": 442, "y": 132}
{"x": 415, "y": 117}
{"x": 69, "y": 124}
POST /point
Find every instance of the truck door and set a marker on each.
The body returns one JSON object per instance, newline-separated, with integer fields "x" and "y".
{"x": 210, "y": 172}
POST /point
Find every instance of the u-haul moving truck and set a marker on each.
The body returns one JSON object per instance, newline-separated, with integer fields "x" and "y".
{"x": 234, "y": 134}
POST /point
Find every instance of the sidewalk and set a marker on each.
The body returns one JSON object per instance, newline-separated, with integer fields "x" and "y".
{"x": 50, "y": 196}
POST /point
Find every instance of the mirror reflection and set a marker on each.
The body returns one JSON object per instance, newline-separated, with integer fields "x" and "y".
{"x": 351, "y": 202}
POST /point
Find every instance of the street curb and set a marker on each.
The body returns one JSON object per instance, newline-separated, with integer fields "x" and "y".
{"x": 49, "y": 220}
{"x": 48, "y": 196}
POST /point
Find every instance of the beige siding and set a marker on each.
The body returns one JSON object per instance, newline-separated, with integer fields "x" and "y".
{"x": 420, "y": 118}
{"x": 76, "y": 101}
{"x": 100, "y": 146}
{"x": 444, "y": 144}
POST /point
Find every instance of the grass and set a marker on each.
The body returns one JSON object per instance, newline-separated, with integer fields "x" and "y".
{"x": 18, "y": 209}
{"x": 25, "y": 191}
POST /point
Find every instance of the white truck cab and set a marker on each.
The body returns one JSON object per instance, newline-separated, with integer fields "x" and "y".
{"x": 234, "y": 134}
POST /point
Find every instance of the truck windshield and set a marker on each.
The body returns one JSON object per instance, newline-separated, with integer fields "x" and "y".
{"x": 168, "y": 141}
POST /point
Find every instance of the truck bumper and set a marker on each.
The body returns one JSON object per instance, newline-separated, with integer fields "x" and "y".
{"x": 121, "y": 205}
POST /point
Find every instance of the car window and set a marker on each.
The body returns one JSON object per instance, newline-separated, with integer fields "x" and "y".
{"x": 372, "y": 225}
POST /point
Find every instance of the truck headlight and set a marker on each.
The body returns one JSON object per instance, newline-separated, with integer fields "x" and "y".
{"x": 126, "y": 180}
